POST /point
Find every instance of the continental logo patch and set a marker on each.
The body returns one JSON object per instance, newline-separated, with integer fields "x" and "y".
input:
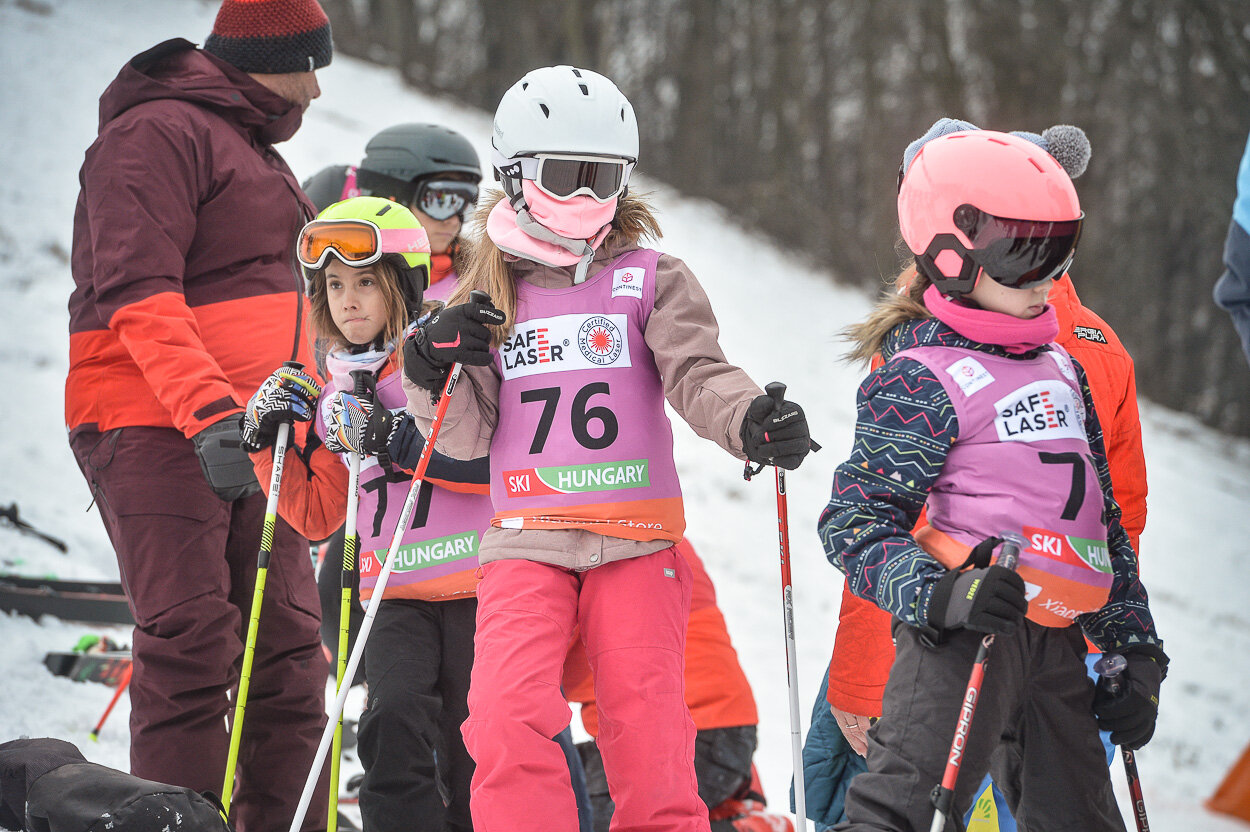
{"x": 970, "y": 375}
{"x": 1089, "y": 333}
{"x": 628, "y": 282}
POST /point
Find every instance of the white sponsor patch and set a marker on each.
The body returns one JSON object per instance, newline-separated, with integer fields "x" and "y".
{"x": 579, "y": 341}
{"x": 1065, "y": 365}
{"x": 970, "y": 375}
{"x": 1037, "y": 411}
{"x": 628, "y": 282}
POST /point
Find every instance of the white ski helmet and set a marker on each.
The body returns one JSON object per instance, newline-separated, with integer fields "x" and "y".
{"x": 561, "y": 109}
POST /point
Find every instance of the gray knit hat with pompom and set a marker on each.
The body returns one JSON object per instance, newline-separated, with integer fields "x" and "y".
{"x": 1066, "y": 143}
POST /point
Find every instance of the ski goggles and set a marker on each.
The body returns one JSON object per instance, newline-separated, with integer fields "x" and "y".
{"x": 563, "y": 176}
{"x": 442, "y": 199}
{"x": 1019, "y": 253}
{"x": 356, "y": 242}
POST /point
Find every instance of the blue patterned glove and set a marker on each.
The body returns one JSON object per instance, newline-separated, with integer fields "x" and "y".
{"x": 355, "y": 426}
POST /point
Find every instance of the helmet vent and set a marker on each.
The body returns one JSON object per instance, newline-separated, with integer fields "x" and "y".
{"x": 1034, "y": 163}
{"x": 577, "y": 72}
{"x": 546, "y": 111}
{"x": 585, "y": 89}
{"x": 525, "y": 85}
{"x": 385, "y": 208}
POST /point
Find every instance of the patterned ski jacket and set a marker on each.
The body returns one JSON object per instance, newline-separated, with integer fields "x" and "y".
{"x": 185, "y": 298}
{"x": 882, "y": 561}
{"x": 864, "y": 650}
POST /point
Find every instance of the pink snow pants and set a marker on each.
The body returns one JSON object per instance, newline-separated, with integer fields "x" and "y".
{"x": 632, "y": 614}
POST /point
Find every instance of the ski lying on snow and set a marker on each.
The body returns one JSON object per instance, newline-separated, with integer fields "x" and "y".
{"x": 99, "y": 602}
{"x": 106, "y": 668}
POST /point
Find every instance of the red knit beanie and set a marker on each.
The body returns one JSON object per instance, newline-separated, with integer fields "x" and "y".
{"x": 271, "y": 36}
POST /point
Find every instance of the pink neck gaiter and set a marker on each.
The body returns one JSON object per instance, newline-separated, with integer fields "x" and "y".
{"x": 1016, "y": 335}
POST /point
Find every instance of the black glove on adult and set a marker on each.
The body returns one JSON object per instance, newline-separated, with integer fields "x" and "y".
{"x": 225, "y": 463}
{"x": 988, "y": 600}
{"x": 1130, "y": 714}
{"x": 455, "y": 334}
{"x": 775, "y": 434}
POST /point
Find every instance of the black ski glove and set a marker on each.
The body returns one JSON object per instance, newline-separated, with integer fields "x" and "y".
{"x": 1130, "y": 714}
{"x": 775, "y": 434}
{"x": 455, "y": 334}
{"x": 988, "y": 600}
{"x": 225, "y": 463}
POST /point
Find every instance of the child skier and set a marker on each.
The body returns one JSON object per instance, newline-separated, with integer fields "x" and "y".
{"x": 366, "y": 261}
{"x": 431, "y": 169}
{"x": 566, "y": 388}
{"x": 978, "y": 416}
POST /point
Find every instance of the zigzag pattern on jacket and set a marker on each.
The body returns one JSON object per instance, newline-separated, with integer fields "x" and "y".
{"x": 905, "y": 429}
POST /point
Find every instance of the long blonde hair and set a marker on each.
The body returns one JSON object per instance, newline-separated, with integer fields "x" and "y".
{"x": 902, "y": 302}
{"x": 323, "y": 326}
{"x": 485, "y": 267}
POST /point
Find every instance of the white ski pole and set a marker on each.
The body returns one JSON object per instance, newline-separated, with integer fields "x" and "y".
{"x": 366, "y": 625}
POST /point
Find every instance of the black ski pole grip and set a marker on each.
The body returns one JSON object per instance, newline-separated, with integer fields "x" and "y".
{"x": 478, "y": 296}
{"x": 776, "y": 390}
{"x": 362, "y": 379}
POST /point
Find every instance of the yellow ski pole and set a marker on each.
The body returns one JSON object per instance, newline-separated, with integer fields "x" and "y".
{"x": 258, "y": 597}
{"x": 345, "y": 605}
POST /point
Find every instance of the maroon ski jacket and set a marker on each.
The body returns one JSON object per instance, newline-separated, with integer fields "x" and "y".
{"x": 185, "y": 295}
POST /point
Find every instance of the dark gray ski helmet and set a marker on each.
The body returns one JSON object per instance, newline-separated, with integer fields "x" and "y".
{"x": 413, "y": 151}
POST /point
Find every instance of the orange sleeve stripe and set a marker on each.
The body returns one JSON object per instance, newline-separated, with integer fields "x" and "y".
{"x": 165, "y": 364}
{"x": 163, "y": 338}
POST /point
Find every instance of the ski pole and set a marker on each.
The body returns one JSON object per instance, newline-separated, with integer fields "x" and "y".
{"x": 777, "y": 391}
{"x": 8, "y": 516}
{"x": 379, "y": 588}
{"x": 362, "y": 378}
{"x": 117, "y": 694}
{"x": 258, "y": 597}
{"x": 944, "y": 793}
{"x": 1109, "y": 667}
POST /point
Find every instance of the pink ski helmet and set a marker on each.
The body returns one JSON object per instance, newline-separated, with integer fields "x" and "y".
{"x": 983, "y": 201}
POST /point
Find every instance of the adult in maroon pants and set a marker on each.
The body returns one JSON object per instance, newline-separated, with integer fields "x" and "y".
{"x": 184, "y": 302}
{"x": 188, "y": 562}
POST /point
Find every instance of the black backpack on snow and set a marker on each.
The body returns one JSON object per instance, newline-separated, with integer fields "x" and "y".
{"x": 46, "y": 785}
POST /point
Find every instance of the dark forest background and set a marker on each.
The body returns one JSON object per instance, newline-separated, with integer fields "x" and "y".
{"x": 794, "y": 115}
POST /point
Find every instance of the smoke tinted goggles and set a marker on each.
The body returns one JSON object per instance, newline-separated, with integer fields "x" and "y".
{"x": 563, "y": 176}
{"x": 1019, "y": 253}
{"x": 356, "y": 242}
{"x": 442, "y": 199}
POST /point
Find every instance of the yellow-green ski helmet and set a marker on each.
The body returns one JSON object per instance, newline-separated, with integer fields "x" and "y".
{"x": 363, "y": 230}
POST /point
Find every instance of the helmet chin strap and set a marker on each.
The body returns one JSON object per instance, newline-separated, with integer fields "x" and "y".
{"x": 532, "y": 228}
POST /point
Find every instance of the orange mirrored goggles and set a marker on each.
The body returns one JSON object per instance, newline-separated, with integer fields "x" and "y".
{"x": 356, "y": 242}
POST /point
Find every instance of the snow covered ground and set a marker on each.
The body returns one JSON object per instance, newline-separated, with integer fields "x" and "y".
{"x": 58, "y": 55}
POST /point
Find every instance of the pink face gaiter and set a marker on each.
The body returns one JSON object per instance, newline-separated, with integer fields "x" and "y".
{"x": 1016, "y": 335}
